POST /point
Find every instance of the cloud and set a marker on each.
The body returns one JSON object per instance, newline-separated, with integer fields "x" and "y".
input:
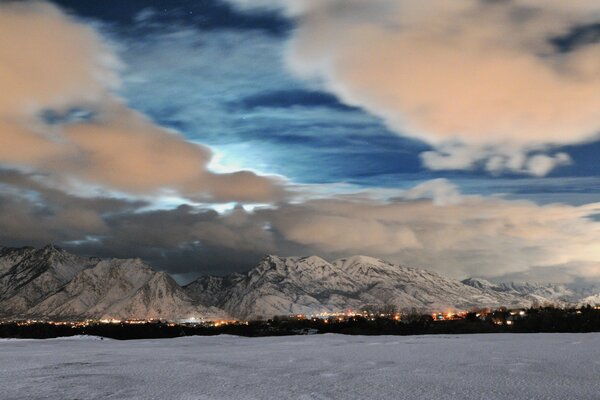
{"x": 181, "y": 240}
{"x": 193, "y": 81}
{"x": 540, "y": 165}
{"x": 434, "y": 227}
{"x": 53, "y": 65}
{"x": 63, "y": 129}
{"x": 486, "y": 79}
{"x": 431, "y": 225}
{"x": 495, "y": 160}
{"x": 440, "y": 191}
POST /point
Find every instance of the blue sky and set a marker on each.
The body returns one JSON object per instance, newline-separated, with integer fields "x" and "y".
{"x": 201, "y": 135}
{"x": 218, "y": 76}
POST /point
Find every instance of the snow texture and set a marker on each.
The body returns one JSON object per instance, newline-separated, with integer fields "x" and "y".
{"x": 311, "y": 285}
{"x": 503, "y": 366}
{"x": 28, "y": 275}
{"x": 52, "y": 283}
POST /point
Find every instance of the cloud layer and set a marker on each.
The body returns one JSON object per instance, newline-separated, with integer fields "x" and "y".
{"x": 63, "y": 130}
{"x": 487, "y": 83}
{"x": 54, "y": 66}
{"x": 431, "y": 226}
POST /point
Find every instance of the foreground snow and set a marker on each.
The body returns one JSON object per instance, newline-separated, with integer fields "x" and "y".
{"x": 535, "y": 366}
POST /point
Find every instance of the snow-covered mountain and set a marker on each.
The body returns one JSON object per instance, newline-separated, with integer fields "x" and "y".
{"x": 52, "y": 283}
{"x": 311, "y": 285}
{"x": 28, "y": 275}
{"x": 558, "y": 294}
{"x": 122, "y": 289}
{"x": 590, "y": 300}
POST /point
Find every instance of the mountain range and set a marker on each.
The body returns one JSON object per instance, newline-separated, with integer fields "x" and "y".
{"x": 50, "y": 283}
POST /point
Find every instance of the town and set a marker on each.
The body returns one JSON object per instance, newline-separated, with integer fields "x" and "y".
{"x": 501, "y": 320}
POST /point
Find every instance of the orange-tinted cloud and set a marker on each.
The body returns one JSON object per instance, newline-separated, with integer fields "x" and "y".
{"x": 435, "y": 227}
{"x": 51, "y": 62}
{"x": 432, "y": 226}
{"x": 479, "y": 80}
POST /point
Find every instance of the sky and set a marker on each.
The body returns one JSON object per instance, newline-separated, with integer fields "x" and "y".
{"x": 460, "y": 137}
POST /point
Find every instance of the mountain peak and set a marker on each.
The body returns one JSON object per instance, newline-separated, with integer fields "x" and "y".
{"x": 312, "y": 260}
{"x": 50, "y": 248}
{"x": 479, "y": 283}
{"x": 288, "y": 264}
{"x": 120, "y": 288}
{"x": 28, "y": 275}
{"x": 311, "y": 285}
{"x": 50, "y": 282}
{"x": 359, "y": 259}
{"x": 271, "y": 257}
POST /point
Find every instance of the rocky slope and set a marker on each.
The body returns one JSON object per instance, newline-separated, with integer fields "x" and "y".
{"x": 28, "y": 275}
{"x": 311, "y": 285}
{"x": 50, "y": 283}
{"x": 550, "y": 293}
{"x": 121, "y": 289}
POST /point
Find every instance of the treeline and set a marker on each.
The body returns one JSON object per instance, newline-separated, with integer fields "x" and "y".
{"x": 533, "y": 320}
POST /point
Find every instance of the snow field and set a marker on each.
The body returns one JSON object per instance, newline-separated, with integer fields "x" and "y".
{"x": 500, "y": 366}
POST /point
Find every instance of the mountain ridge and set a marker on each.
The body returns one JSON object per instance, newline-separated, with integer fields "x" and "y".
{"x": 311, "y": 285}
{"x": 28, "y": 275}
{"x": 51, "y": 283}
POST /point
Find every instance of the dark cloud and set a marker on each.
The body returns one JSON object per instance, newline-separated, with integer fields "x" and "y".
{"x": 478, "y": 81}
{"x": 32, "y": 213}
{"x": 182, "y": 240}
{"x": 199, "y": 59}
{"x": 430, "y": 225}
{"x": 69, "y": 116}
{"x": 577, "y": 37}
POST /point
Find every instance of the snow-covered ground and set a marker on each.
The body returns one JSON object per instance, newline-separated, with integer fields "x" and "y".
{"x": 512, "y": 366}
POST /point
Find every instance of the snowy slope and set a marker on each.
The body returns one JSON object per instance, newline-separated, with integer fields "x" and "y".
{"x": 443, "y": 367}
{"x": 550, "y": 293}
{"x": 51, "y": 283}
{"x": 593, "y": 300}
{"x": 121, "y": 289}
{"x": 210, "y": 289}
{"x": 28, "y": 275}
{"x": 311, "y": 285}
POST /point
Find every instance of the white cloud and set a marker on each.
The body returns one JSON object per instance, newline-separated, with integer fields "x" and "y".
{"x": 387, "y": 48}
{"x": 479, "y": 76}
{"x": 469, "y": 235}
{"x": 440, "y": 191}
{"x": 493, "y": 160}
{"x": 430, "y": 226}
{"x": 51, "y": 62}
{"x": 540, "y": 165}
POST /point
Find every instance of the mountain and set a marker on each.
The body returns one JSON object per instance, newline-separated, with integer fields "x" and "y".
{"x": 591, "y": 300}
{"x": 208, "y": 289}
{"x": 28, "y": 275}
{"x": 121, "y": 289}
{"x": 50, "y": 283}
{"x": 311, "y": 285}
{"x": 541, "y": 292}
{"x": 558, "y": 294}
